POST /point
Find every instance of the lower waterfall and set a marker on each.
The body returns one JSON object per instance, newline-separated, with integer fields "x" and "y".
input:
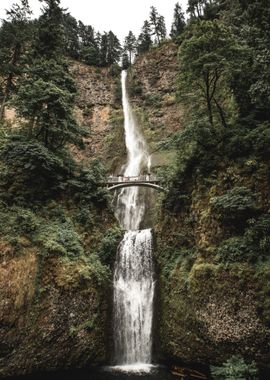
{"x": 134, "y": 272}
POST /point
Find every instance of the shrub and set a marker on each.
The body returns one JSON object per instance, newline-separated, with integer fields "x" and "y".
{"x": 235, "y": 368}
{"x": 60, "y": 239}
{"x": 258, "y": 235}
{"x": 237, "y": 204}
{"x": 233, "y": 250}
{"x": 109, "y": 245}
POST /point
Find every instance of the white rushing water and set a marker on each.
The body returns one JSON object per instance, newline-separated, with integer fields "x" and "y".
{"x": 130, "y": 210}
{"x": 133, "y": 276}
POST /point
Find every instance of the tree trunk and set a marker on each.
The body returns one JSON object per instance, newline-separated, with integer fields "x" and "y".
{"x": 221, "y": 113}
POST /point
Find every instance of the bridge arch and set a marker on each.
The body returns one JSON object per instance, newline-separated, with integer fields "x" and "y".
{"x": 140, "y": 184}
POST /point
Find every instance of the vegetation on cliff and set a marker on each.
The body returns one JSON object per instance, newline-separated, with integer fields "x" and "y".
{"x": 58, "y": 235}
{"x": 213, "y": 233}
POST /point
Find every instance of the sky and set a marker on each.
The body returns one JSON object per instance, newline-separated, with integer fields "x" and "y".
{"x": 120, "y": 16}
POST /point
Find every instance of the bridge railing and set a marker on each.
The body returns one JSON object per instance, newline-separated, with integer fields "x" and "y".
{"x": 140, "y": 178}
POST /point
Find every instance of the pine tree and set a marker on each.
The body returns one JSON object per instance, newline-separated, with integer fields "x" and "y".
{"x": 130, "y": 45}
{"x": 45, "y": 96}
{"x": 103, "y": 51}
{"x": 14, "y": 35}
{"x": 144, "y": 39}
{"x": 71, "y": 34}
{"x": 125, "y": 61}
{"x": 50, "y": 40}
{"x": 157, "y": 23}
{"x": 114, "y": 49}
{"x": 179, "y": 23}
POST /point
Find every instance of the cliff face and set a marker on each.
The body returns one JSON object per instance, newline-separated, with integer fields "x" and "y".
{"x": 213, "y": 280}
{"x": 99, "y": 110}
{"x": 152, "y": 88}
{"x": 55, "y": 294}
{"x": 56, "y": 253}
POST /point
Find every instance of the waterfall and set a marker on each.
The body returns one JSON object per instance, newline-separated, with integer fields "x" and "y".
{"x": 133, "y": 275}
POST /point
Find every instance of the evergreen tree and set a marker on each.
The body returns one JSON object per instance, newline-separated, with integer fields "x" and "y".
{"x": 144, "y": 40}
{"x": 14, "y": 35}
{"x": 125, "y": 61}
{"x": 114, "y": 49}
{"x": 103, "y": 51}
{"x": 179, "y": 23}
{"x": 71, "y": 34}
{"x": 157, "y": 23}
{"x": 130, "y": 45}
{"x": 209, "y": 58}
{"x": 195, "y": 8}
{"x": 45, "y": 96}
{"x": 50, "y": 40}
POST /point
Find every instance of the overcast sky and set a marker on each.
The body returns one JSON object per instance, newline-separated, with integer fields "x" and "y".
{"x": 120, "y": 16}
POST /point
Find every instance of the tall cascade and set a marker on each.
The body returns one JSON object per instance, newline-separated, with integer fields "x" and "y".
{"x": 133, "y": 275}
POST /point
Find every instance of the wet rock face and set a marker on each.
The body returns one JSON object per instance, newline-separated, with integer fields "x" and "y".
{"x": 152, "y": 88}
{"x": 51, "y": 316}
{"x": 99, "y": 111}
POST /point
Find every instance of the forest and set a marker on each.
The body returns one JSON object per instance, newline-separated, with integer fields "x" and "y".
{"x": 200, "y": 92}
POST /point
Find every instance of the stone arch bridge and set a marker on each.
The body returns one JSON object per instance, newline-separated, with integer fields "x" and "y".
{"x": 120, "y": 182}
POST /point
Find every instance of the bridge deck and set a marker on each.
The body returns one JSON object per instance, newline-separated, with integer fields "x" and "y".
{"x": 114, "y": 183}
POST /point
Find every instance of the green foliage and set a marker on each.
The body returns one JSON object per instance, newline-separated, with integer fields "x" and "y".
{"x": 144, "y": 40}
{"x": 86, "y": 186}
{"x": 179, "y": 23}
{"x": 235, "y": 368}
{"x": 209, "y": 55}
{"x": 237, "y": 204}
{"x": 130, "y": 45}
{"x": 233, "y": 250}
{"x": 45, "y": 99}
{"x": 258, "y": 235}
{"x": 15, "y": 33}
{"x": 109, "y": 245}
{"x": 60, "y": 239}
{"x": 158, "y": 26}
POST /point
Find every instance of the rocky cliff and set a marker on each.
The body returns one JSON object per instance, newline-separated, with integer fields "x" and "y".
{"x": 57, "y": 247}
{"x": 152, "y": 88}
{"x": 211, "y": 255}
{"x": 99, "y": 110}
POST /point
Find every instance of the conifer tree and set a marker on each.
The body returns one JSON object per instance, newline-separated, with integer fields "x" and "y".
{"x": 179, "y": 23}
{"x": 144, "y": 40}
{"x": 71, "y": 33}
{"x": 130, "y": 45}
{"x": 103, "y": 51}
{"x": 125, "y": 61}
{"x": 157, "y": 23}
{"x": 45, "y": 96}
{"x": 14, "y": 35}
{"x": 114, "y": 49}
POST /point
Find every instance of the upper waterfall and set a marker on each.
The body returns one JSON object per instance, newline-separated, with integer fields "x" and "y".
{"x": 130, "y": 210}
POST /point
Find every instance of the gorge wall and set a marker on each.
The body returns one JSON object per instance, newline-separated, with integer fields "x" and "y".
{"x": 212, "y": 272}
{"x": 54, "y": 299}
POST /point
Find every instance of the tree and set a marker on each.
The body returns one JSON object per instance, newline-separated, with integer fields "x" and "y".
{"x": 125, "y": 61}
{"x": 72, "y": 47}
{"x": 103, "y": 51}
{"x": 208, "y": 58}
{"x": 179, "y": 23}
{"x": 114, "y": 49}
{"x": 45, "y": 96}
{"x": 50, "y": 40}
{"x": 130, "y": 45}
{"x": 157, "y": 23}
{"x": 144, "y": 40}
{"x": 196, "y": 8}
{"x": 14, "y": 35}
